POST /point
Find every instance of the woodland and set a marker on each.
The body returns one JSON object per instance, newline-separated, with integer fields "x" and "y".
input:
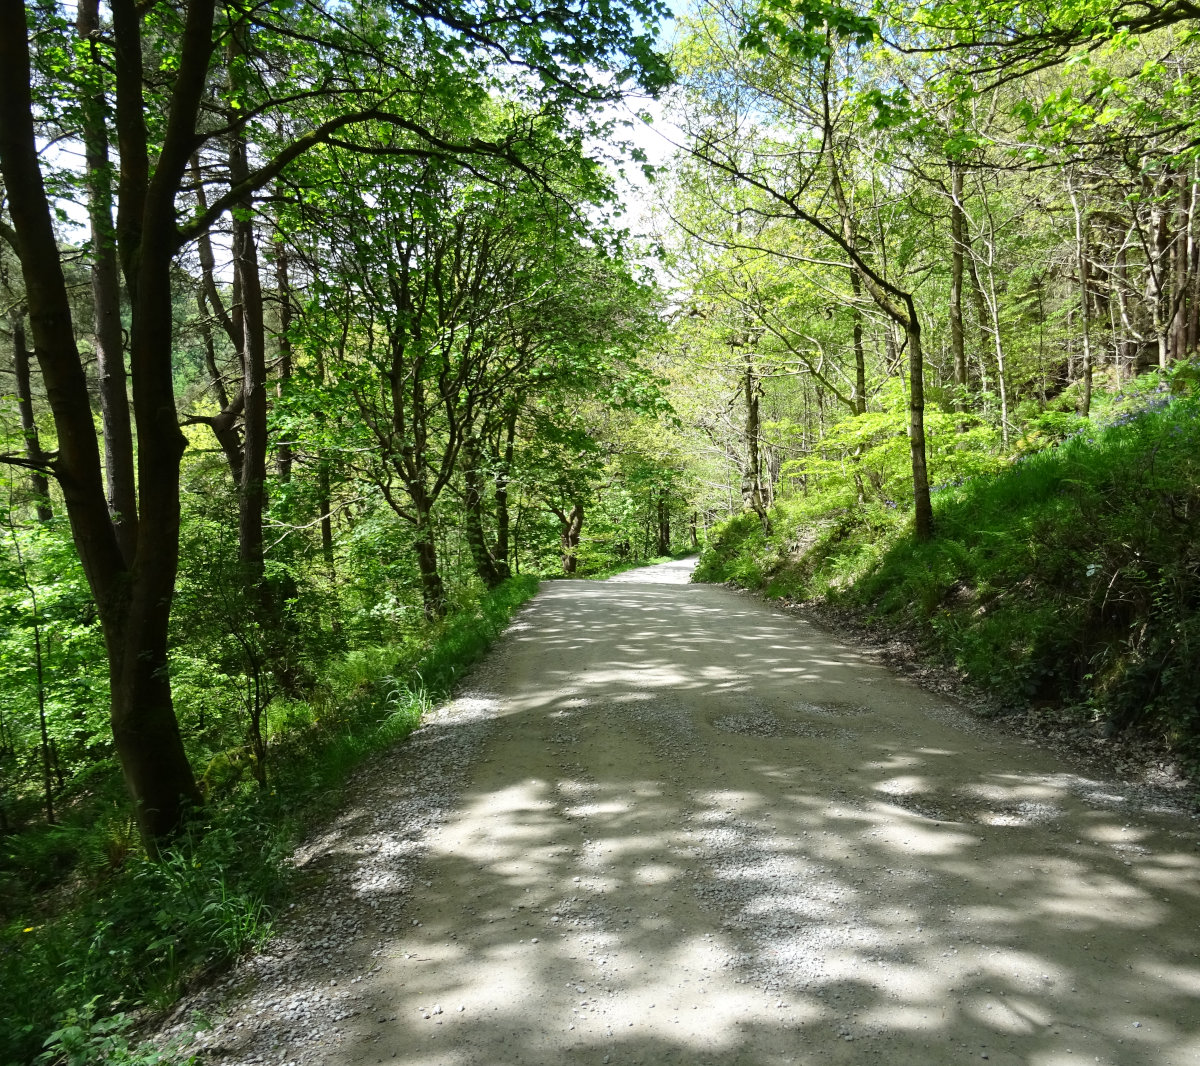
{"x": 328, "y": 329}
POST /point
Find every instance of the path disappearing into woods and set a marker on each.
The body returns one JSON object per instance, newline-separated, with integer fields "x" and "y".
{"x": 668, "y": 824}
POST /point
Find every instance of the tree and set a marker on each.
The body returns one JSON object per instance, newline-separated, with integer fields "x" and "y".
{"x": 793, "y": 143}
{"x": 346, "y": 74}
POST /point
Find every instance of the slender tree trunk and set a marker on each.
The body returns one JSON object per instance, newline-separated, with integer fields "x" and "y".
{"x": 252, "y": 497}
{"x": 664, "y": 523}
{"x": 860, "y": 358}
{"x": 922, "y": 505}
{"x": 981, "y": 316}
{"x": 998, "y": 350}
{"x": 957, "y": 334}
{"x": 1157, "y": 286}
{"x": 503, "y": 473}
{"x": 40, "y": 672}
{"x": 516, "y": 534}
{"x": 1182, "y": 256}
{"x": 1082, "y": 264}
{"x": 1192, "y": 332}
{"x": 1127, "y": 347}
{"x": 325, "y": 490}
{"x": 208, "y": 266}
{"x": 39, "y": 484}
{"x": 324, "y": 506}
{"x": 752, "y": 494}
{"x": 224, "y": 424}
{"x": 283, "y": 284}
{"x": 991, "y": 301}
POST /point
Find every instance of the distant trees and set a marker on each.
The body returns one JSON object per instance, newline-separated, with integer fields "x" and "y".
{"x": 466, "y": 293}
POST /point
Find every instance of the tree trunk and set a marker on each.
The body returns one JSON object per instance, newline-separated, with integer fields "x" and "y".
{"x": 39, "y": 484}
{"x": 1127, "y": 347}
{"x": 664, "y": 523}
{"x": 1192, "y": 330}
{"x": 324, "y": 506}
{"x": 1085, "y": 302}
{"x": 860, "y": 357}
{"x": 49, "y": 755}
{"x": 993, "y": 303}
{"x": 1182, "y": 256}
{"x": 503, "y": 472}
{"x": 134, "y": 603}
{"x": 752, "y": 494}
{"x": 922, "y": 505}
{"x": 1157, "y": 285}
{"x": 433, "y": 591}
{"x": 252, "y": 496}
{"x": 283, "y": 284}
{"x": 106, "y": 296}
{"x": 572, "y": 526}
{"x": 224, "y": 424}
{"x": 981, "y": 316}
{"x": 485, "y": 565}
{"x": 957, "y": 335}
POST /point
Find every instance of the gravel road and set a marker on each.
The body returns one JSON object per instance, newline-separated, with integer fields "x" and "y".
{"x": 667, "y": 824}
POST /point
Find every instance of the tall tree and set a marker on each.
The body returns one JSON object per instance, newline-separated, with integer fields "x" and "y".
{"x": 346, "y": 73}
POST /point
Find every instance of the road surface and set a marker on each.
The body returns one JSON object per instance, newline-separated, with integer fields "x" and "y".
{"x": 668, "y": 824}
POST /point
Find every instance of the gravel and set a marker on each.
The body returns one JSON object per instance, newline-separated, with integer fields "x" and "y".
{"x": 667, "y": 824}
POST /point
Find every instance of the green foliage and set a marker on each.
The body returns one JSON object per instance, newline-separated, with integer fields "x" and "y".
{"x": 136, "y": 937}
{"x": 73, "y": 668}
{"x": 1070, "y": 575}
{"x": 734, "y": 552}
{"x": 869, "y": 454}
{"x": 83, "y": 1039}
{"x": 140, "y": 929}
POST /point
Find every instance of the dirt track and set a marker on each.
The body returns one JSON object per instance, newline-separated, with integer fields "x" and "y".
{"x": 668, "y": 824}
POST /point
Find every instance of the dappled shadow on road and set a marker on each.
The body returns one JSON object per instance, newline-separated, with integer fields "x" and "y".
{"x": 707, "y": 833}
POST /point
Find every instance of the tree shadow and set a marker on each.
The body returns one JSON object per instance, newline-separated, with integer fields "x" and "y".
{"x": 703, "y": 832}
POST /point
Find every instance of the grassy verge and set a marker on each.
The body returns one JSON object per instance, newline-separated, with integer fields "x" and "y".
{"x": 1070, "y": 578}
{"x": 135, "y": 935}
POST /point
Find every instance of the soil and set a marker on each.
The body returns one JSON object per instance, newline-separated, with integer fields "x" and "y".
{"x": 666, "y": 823}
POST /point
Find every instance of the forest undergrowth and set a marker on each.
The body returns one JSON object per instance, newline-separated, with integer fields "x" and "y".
{"x": 1064, "y": 583}
{"x": 95, "y": 931}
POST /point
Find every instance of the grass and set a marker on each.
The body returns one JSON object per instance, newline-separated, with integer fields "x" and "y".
{"x": 1071, "y": 577}
{"x": 135, "y": 934}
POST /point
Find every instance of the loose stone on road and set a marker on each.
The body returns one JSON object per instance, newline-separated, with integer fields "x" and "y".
{"x": 665, "y": 823}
